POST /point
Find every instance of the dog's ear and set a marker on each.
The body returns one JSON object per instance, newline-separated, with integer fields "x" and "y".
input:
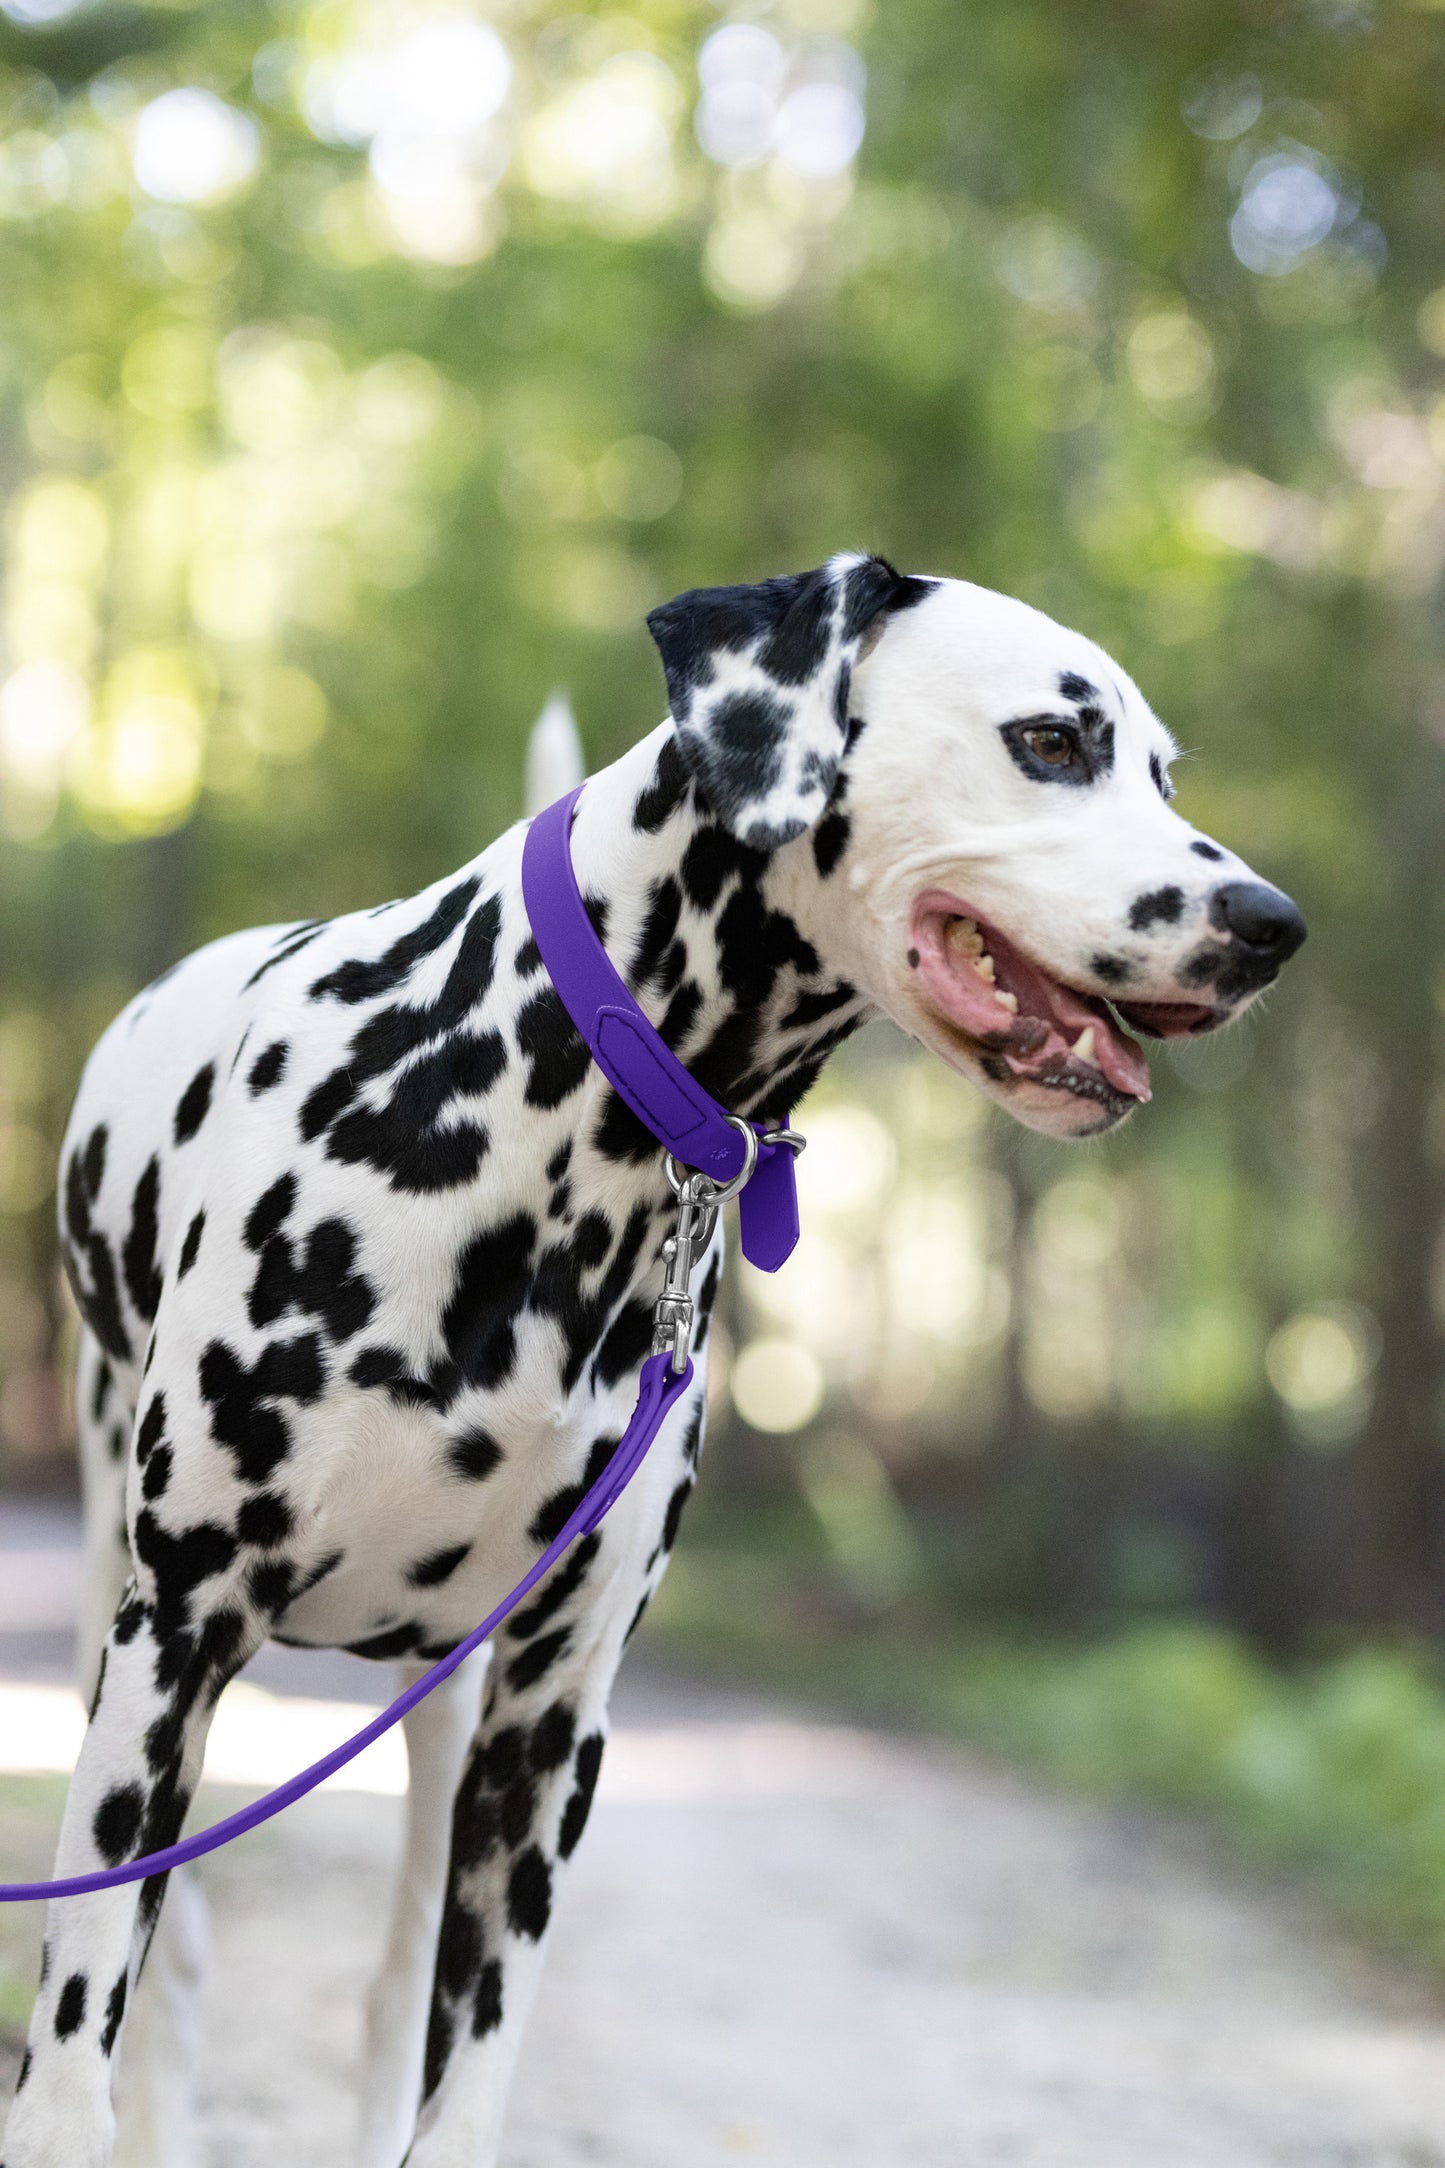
{"x": 758, "y": 680}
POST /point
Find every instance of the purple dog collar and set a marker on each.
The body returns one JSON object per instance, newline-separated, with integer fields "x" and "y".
{"x": 639, "y": 1066}
{"x": 694, "y": 1128}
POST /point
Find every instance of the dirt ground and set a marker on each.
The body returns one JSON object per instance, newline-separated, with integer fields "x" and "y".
{"x": 789, "y": 1944}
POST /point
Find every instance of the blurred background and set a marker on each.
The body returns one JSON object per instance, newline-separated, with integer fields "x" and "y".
{"x": 368, "y": 369}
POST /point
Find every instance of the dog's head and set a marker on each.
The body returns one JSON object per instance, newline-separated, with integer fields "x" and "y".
{"x": 993, "y": 857}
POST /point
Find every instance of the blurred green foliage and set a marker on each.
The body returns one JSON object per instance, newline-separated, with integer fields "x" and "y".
{"x": 368, "y": 367}
{"x": 1337, "y": 1767}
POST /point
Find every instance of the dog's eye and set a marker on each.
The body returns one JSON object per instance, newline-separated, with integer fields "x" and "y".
{"x": 1049, "y": 751}
{"x": 1055, "y": 748}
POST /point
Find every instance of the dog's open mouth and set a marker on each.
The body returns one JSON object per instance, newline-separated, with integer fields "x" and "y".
{"x": 1030, "y": 1024}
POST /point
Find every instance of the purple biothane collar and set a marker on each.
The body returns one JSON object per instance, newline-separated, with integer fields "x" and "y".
{"x": 640, "y": 1067}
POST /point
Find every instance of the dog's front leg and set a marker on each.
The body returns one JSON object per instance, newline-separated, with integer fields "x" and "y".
{"x": 520, "y": 1808}
{"x": 138, "y": 1766}
{"x": 438, "y": 1733}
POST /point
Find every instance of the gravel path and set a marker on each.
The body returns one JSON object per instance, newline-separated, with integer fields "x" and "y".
{"x": 789, "y": 1944}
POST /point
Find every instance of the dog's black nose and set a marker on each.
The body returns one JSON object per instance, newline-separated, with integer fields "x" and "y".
{"x": 1260, "y": 918}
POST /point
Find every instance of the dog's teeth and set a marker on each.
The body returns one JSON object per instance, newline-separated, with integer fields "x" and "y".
{"x": 965, "y": 937}
{"x": 1083, "y": 1049}
{"x": 983, "y": 965}
{"x": 1006, "y": 1001}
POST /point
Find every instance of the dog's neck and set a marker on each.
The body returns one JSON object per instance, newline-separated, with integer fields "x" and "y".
{"x": 723, "y": 946}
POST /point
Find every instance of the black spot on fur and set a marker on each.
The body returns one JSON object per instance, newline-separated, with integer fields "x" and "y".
{"x": 190, "y": 1248}
{"x": 665, "y": 793}
{"x": 528, "y": 959}
{"x": 561, "y": 1159}
{"x": 552, "y": 1737}
{"x": 518, "y": 1808}
{"x": 114, "y": 2012}
{"x": 474, "y": 1455}
{"x": 384, "y": 1648}
{"x": 551, "y": 1518}
{"x": 364, "y": 981}
{"x": 268, "y": 1068}
{"x": 405, "y": 1139}
{"x": 402, "y": 1138}
{"x": 271, "y": 1586}
{"x": 459, "y": 1950}
{"x": 322, "y": 1284}
{"x": 291, "y": 943}
{"x": 142, "y": 1275}
{"x": 1160, "y": 907}
{"x": 1210, "y": 851}
{"x": 87, "y": 1254}
{"x": 439, "y": 2034}
{"x": 673, "y": 1521}
{"x": 117, "y": 1822}
{"x": 659, "y": 929}
{"x": 1113, "y": 970}
{"x": 579, "y": 1806}
{"x": 1159, "y": 778}
{"x": 70, "y": 2009}
{"x": 242, "y": 1416}
{"x": 556, "y": 1053}
{"x": 626, "y": 1343}
{"x": 529, "y": 1895}
{"x": 158, "y": 1473}
{"x": 271, "y": 1210}
{"x": 194, "y": 1103}
{"x": 562, "y": 1583}
{"x": 489, "y": 1290}
{"x": 387, "y": 1366}
{"x": 487, "y": 2008}
{"x": 439, "y": 1566}
{"x": 150, "y": 1428}
{"x": 710, "y": 858}
{"x": 264, "y": 1520}
{"x": 1076, "y": 688}
{"x": 537, "y": 1660}
{"x": 830, "y": 840}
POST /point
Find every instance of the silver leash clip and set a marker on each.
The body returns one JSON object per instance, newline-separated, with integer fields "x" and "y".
{"x": 699, "y": 1200}
{"x": 673, "y": 1312}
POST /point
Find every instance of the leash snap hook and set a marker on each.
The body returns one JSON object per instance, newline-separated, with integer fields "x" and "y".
{"x": 698, "y": 1199}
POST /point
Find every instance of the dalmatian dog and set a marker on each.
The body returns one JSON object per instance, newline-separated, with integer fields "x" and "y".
{"x": 366, "y": 1249}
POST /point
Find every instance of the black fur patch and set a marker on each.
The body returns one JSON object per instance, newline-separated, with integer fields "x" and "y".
{"x": 579, "y": 1806}
{"x": 439, "y": 1566}
{"x": 194, "y": 1103}
{"x": 1160, "y": 907}
{"x": 70, "y": 2009}
{"x": 365, "y": 981}
{"x": 268, "y": 1068}
{"x": 529, "y": 1895}
{"x": 190, "y": 1248}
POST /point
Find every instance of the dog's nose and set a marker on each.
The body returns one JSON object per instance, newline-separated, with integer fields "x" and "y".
{"x": 1262, "y": 919}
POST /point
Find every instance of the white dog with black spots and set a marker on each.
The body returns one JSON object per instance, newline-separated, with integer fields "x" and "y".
{"x": 366, "y": 1250}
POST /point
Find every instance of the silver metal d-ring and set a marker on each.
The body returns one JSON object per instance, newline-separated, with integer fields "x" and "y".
{"x": 720, "y": 1192}
{"x": 793, "y": 1138}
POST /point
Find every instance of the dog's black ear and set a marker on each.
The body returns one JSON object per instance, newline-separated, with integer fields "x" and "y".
{"x": 758, "y": 680}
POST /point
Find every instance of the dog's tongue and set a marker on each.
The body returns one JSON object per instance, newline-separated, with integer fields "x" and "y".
{"x": 1121, "y": 1058}
{"x": 1044, "y": 1030}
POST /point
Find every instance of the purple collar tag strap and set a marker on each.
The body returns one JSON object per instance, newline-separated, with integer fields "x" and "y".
{"x": 642, "y": 1070}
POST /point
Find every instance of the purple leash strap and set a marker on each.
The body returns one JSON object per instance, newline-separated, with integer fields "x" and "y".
{"x": 661, "y": 1388}
{"x": 694, "y": 1129}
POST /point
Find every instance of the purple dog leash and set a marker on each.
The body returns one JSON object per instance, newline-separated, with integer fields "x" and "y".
{"x": 731, "y": 1158}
